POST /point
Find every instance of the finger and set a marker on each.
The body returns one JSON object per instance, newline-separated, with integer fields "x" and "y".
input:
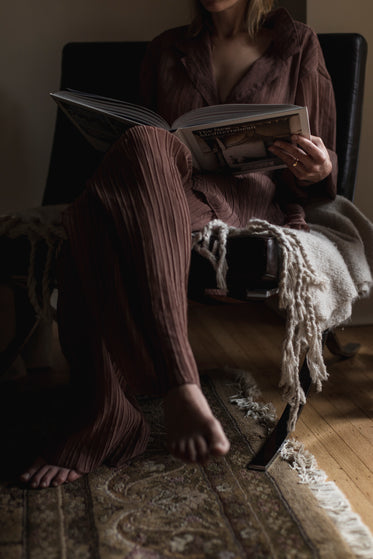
{"x": 288, "y": 151}
{"x": 304, "y": 150}
{"x": 322, "y": 164}
{"x": 315, "y": 140}
{"x": 292, "y": 158}
{"x": 313, "y": 147}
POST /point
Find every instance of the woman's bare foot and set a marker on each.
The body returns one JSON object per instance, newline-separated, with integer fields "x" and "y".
{"x": 194, "y": 434}
{"x": 41, "y": 475}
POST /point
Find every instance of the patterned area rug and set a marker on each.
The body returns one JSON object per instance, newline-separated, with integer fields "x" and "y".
{"x": 158, "y": 508}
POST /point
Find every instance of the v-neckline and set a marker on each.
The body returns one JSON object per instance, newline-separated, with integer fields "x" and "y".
{"x": 197, "y": 61}
{"x": 230, "y": 98}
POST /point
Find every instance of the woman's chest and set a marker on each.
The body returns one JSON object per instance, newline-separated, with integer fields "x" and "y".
{"x": 232, "y": 60}
{"x": 185, "y": 85}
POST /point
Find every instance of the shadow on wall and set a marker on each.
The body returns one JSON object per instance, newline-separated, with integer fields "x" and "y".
{"x": 14, "y": 153}
{"x": 297, "y": 8}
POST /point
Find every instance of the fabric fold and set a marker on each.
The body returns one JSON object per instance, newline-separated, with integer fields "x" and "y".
{"x": 323, "y": 272}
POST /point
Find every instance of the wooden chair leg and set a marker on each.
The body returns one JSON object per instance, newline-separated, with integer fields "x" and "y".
{"x": 335, "y": 347}
{"x": 268, "y": 452}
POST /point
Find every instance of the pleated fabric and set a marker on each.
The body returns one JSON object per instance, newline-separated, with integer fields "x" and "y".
{"x": 123, "y": 276}
{"x": 122, "y": 309}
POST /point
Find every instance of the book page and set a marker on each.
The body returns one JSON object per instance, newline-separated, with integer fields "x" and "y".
{"x": 123, "y": 110}
{"x": 242, "y": 146}
{"x": 228, "y": 112}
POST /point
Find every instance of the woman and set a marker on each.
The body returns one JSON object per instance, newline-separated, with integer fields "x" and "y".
{"x": 123, "y": 277}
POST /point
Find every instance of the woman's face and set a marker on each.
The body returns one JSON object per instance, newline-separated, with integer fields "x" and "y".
{"x": 215, "y": 6}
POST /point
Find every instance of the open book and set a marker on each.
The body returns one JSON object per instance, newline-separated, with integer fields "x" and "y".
{"x": 222, "y": 138}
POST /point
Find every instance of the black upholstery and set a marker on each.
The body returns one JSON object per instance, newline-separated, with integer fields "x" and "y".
{"x": 345, "y": 56}
{"x": 112, "y": 69}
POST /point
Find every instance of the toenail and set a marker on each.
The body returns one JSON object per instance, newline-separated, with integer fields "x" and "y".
{"x": 25, "y": 476}
{"x": 44, "y": 484}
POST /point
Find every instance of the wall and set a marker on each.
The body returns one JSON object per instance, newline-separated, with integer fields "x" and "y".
{"x": 342, "y": 16}
{"x": 32, "y": 36}
{"x": 297, "y": 8}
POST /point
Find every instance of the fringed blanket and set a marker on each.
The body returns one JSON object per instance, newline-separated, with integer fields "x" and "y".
{"x": 38, "y": 224}
{"x": 322, "y": 273}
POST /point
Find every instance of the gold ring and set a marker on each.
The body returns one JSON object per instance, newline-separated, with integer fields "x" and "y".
{"x": 296, "y": 162}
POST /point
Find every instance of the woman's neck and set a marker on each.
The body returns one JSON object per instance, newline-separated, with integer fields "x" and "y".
{"x": 231, "y": 22}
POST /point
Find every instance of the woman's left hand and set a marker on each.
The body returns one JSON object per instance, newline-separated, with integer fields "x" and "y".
{"x": 307, "y": 159}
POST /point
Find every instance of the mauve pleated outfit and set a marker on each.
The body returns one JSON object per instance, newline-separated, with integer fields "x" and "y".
{"x": 123, "y": 274}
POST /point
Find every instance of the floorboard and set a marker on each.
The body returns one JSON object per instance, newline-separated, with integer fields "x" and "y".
{"x": 336, "y": 425}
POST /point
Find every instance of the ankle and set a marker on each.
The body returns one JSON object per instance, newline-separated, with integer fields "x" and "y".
{"x": 183, "y": 388}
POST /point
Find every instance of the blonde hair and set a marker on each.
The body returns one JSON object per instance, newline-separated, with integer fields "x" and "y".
{"x": 256, "y": 10}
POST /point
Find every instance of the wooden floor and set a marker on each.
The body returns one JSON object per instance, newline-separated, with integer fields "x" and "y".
{"x": 336, "y": 425}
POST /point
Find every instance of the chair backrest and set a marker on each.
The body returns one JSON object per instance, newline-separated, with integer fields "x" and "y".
{"x": 345, "y": 56}
{"x": 112, "y": 69}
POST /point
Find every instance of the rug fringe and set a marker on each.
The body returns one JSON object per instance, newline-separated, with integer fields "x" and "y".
{"x": 247, "y": 399}
{"x": 357, "y": 536}
{"x": 330, "y": 498}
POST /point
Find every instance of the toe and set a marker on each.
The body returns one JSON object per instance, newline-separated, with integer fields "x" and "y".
{"x": 180, "y": 449}
{"x": 218, "y": 444}
{"x": 220, "y": 448}
{"x": 60, "y": 477}
{"x": 38, "y": 476}
{"x": 31, "y": 471}
{"x": 48, "y": 476}
{"x": 42, "y": 475}
{"x": 73, "y": 475}
{"x": 201, "y": 449}
{"x": 191, "y": 452}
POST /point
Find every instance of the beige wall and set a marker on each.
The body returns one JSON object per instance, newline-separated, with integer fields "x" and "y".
{"x": 346, "y": 16}
{"x": 32, "y": 36}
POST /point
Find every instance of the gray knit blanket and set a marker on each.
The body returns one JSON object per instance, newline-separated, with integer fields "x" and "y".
{"x": 323, "y": 272}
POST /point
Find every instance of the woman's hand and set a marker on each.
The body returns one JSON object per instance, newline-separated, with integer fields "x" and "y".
{"x": 307, "y": 159}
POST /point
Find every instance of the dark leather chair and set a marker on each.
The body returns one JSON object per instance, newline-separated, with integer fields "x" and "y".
{"x": 112, "y": 69}
{"x": 93, "y": 67}
{"x": 100, "y": 68}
